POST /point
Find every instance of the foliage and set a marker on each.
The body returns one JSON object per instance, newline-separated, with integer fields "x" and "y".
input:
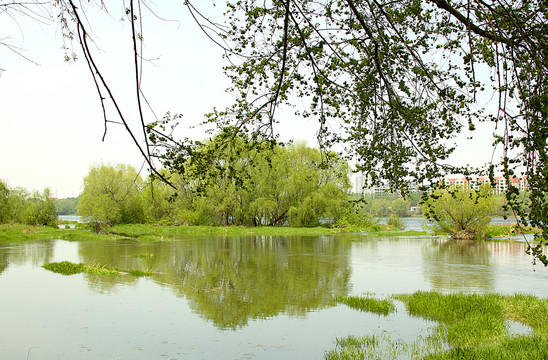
{"x": 159, "y": 198}
{"x": 4, "y": 203}
{"x": 234, "y": 180}
{"x": 40, "y": 209}
{"x": 355, "y": 214}
{"x": 395, "y": 222}
{"x": 112, "y": 195}
{"x": 18, "y": 205}
{"x": 388, "y": 204}
{"x": 66, "y": 206}
{"x": 461, "y": 212}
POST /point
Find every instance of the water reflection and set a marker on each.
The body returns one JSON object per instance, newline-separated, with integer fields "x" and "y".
{"x": 232, "y": 280}
{"x": 459, "y": 265}
{"x": 37, "y": 253}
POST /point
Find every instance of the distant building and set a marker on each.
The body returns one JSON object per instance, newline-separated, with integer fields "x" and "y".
{"x": 361, "y": 187}
{"x": 474, "y": 182}
{"x": 359, "y": 182}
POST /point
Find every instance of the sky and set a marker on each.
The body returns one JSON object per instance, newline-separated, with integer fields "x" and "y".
{"x": 51, "y": 123}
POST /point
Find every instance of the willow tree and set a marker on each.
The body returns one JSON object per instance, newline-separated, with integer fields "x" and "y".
{"x": 461, "y": 212}
{"x": 232, "y": 180}
{"x": 112, "y": 195}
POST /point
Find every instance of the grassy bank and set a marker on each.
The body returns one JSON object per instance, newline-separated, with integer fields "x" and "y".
{"x": 150, "y": 232}
{"x": 21, "y": 232}
{"x": 502, "y": 231}
{"x": 470, "y": 326}
{"x": 164, "y": 232}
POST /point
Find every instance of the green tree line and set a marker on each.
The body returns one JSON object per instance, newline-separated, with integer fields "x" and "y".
{"x": 21, "y": 206}
{"x": 66, "y": 206}
{"x": 227, "y": 181}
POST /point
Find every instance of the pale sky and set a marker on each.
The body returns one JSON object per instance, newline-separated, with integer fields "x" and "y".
{"x": 51, "y": 123}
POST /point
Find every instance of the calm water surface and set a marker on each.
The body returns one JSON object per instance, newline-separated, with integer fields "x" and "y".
{"x": 257, "y": 297}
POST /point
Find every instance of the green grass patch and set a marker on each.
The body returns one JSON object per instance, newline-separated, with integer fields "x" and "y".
{"x": 382, "y": 347}
{"x": 467, "y": 319}
{"x": 470, "y": 326}
{"x": 369, "y": 304}
{"x": 398, "y": 233}
{"x": 474, "y": 324}
{"x": 20, "y": 232}
{"x": 503, "y": 230}
{"x": 146, "y": 233}
{"x": 65, "y": 267}
{"x": 520, "y": 347}
{"x": 68, "y": 268}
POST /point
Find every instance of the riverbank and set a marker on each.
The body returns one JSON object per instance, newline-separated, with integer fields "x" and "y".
{"x": 150, "y": 232}
{"x": 22, "y": 232}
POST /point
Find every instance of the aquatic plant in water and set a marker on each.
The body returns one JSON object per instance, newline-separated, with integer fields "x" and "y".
{"x": 368, "y": 304}
{"x": 384, "y": 347}
{"x": 471, "y": 326}
{"x": 68, "y": 268}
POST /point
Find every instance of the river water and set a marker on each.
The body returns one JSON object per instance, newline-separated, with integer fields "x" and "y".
{"x": 253, "y": 297}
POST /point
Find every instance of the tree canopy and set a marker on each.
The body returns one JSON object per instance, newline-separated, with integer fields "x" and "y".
{"x": 461, "y": 212}
{"x": 234, "y": 180}
{"x": 229, "y": 180}
{"x": 112, "y": 195}
{"x": 20, "y": 206}
{"x": 394, "y": 82}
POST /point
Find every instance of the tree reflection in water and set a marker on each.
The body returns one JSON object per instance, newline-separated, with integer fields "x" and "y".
{"x": 461, "y": 265}
{"x": 230, "y": 280}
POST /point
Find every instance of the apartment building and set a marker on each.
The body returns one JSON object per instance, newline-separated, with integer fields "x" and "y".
{"x": 475, "y": 182}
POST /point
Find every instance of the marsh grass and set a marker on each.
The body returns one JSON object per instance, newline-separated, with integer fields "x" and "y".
{"x": 398, "y": 233}
{"x": 369, "y": 304}
{"x": 20, "y": 232}
{"x": 474, "y": 325}
{"x": 147, "y": 233}
{"x": 68, "y": 268}
{"x": 64, "y": 267}
{"x": 470, "y": 326}
{"x": 506, "y": 230}
{"x": 519, "y": 347}
{"x": 383, "y": 346}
